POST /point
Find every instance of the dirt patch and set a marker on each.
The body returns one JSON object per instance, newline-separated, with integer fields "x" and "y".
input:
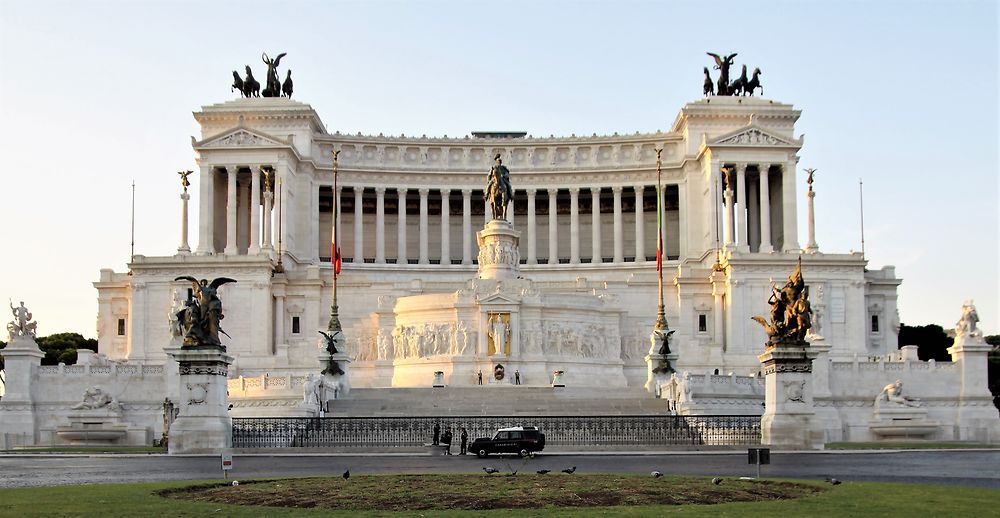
{"x": 477, "y": 492}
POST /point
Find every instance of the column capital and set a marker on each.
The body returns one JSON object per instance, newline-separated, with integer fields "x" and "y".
{"x": 466, "y": 192}
{"x": 741, "y": 167}
{"x": 574, "y": 191}
{"x": 445, "y": 191}
{"x": 639, "y": 188}
{"x": 402, "y": 190}
{"x": 553, "y": 191}
{"x": 595, "y": 190}
{"x": 380, "y": 191}
{"x": 423, "y": 192}
{"x": 531, "y": 192}
{"x": 616, "y": 189}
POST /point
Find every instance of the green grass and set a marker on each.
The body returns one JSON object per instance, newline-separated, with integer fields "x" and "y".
{"x": 847, "y": 499}
{"x": 90, "y": 449}
{"x": 907, "y": 445}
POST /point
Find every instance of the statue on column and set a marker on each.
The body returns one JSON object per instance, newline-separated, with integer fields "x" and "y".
{"x": 201, "y": 315}
{"x": 498, "y": 189}
{"x": 184, "y": 179}
{"x": 791, "y": 313}
{"x": 22, "y": 325}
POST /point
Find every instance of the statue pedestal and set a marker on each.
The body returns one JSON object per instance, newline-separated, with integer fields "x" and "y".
{"x": 659, "y": 367}
{"x": 21, "y": 358}
{"x": 203, "y": 425}
{"x": 335, "y": 385}
{"x": 499, "y": 256}
{"x": 894, "y": 421}
{"x": 789, "y": 420}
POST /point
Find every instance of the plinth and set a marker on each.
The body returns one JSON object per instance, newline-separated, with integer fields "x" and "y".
{"x": 203, "y": 425}
{"x": 499, "y": 255}
{"x": 336, "y": 382}
{"x": 658, "y": 366}
{"x": 789, "y": 420}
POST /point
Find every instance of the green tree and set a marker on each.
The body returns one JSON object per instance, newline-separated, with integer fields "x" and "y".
{"x": 931, "y": 340}
{"x": 2, "y": 380}
{"x": 62, "y": 347}
{"x": 993, "y": 368}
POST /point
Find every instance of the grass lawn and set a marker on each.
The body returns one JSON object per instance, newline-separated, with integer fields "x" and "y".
{"x": 907, "y": 445}
{"x": 847, "y": 499}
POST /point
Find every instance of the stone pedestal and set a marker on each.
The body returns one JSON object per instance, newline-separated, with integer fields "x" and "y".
{"x": 892, "y": 421}
{"x": 977, "y": 417}
{"x": 789, "y": 420}
{"x": 203, "y": 425}
{"x": 499, "y": 255}
{"x": 17, "y": 410}
{"x": 335, "y": 384}
{"x": 659, "y": 367}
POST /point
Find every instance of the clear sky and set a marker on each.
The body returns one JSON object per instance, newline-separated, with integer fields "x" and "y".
{"x": 94, "y": 95}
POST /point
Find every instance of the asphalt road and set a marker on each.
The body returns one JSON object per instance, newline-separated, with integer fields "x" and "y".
{"x": 980, "y": 468}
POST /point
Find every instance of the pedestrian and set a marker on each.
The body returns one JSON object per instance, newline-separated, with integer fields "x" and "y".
{"x": 465, "y": 441}
{"x": 437, "y": 434}
{"x": 446, "y": 439}
{"x": 480, "y": 376}
{"x": 517, "y": 377}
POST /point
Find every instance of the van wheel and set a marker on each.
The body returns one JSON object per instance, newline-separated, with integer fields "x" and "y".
{"x": 481, "y": 454}
{"x": 523, "y": 453}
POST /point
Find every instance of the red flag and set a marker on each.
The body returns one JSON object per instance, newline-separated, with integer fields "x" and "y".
{"x": 659, "y": 228}
{"x": 336, "y": 258}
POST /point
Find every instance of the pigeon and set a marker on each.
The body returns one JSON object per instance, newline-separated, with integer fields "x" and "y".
{"x": 833, "y": 481}
{"x": 656, "y": 474}
{"x": 717, "y": 480}
{"x": 347, "y": 474}
{"x": 569, "y": 471}
{"x": 236, "y": 482}
{"x": 490, "y": 470}
{"x": 543, "y": 471}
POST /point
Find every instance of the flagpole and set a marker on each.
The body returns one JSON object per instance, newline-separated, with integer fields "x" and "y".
{"x": 661, "y": 317}
{"x": 334, "y": 250}
{"x": 861, "y": 194}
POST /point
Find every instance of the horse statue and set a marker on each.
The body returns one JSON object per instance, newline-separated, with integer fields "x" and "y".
{"x": 723, "y": 64}
{"x": 498, "y": 189}
{"x": 739, "y": 86}
{"x": 286, "y": 87}
{"x": 251, "y": 88}
{"x": 709, "y": 88}
{"x": 237, "y": 84}
{"x": 753, "y": 83}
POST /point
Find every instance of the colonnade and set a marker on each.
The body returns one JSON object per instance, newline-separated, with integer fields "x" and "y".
{"x": 763, "y": 206}
{"x": 250, "y": 204}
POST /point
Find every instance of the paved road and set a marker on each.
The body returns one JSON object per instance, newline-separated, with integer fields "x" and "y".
{"x": 966, "y": 468}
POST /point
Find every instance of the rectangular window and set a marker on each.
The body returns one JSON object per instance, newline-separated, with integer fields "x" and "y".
{"x": 874, "y": 323}
{"x": 121, "y": 327}
{"x": 702, "y": 323}
{"x": 295, "y": 325}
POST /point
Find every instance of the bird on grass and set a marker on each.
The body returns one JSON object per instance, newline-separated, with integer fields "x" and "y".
{"x": 543, "y": 471}
{"x": 347, "y": 474}
{"x": 717, "y": 480}
{"x": 569, "y": 471}
{"x": 833, "y": 481}
{"x": 656, "y": 474}
{"x": 490, "y": 470}
{"x": 236, "y": 482}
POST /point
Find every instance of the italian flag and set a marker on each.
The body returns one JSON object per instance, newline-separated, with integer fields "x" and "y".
{"x": 659, "y": 229}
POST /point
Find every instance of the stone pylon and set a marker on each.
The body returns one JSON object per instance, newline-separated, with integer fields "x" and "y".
{"x": 203, "y": 425}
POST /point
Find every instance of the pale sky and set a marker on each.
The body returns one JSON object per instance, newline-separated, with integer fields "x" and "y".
{"x": 94, "y": 95}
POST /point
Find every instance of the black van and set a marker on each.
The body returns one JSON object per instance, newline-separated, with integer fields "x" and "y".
{"x": 522, "y": 440}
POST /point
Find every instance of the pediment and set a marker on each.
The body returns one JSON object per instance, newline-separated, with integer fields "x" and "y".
{"x": 499, "y": 298}
{"x": 241, "y": 137}
{"x": 753, "y": 135}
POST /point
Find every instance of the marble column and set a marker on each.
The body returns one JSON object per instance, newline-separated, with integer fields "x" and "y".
{"x": 487, "y": 213}
{"x": 183, "y": 248}
{"x": 243, "y": 207}
{"x": 789, "y": 216}
{"x": 401, "y": 227}
{"x": 466, "y": 226}
{"x": 423, "y": 258}
{"x": 574, "y": 225}
{"x": 811, "y": 246}
{"x": 532, "y": 234}
{"x": 265, "y": 243}
{"x": 279, "y": 317}
{"x": 380, "y": 225}
{"x": 765, "y": 211}
{"x": 727, "y": 228}
{"x": 254, "y": 248}
{"x": 618, "y": 225}
{"x": 279, "y": 207}
{"x": 553, "y": 230}
{"x": 640, "y": 225}
{"x": 231, "y": 248}
{"x": 741, "y": 198}
{"x": 682, "y": 236}
{"x": 359, "y": 218}
{"x": 206, "y": 211}
{"x": 595, "y": 225}
{"x": 445, "y": 226}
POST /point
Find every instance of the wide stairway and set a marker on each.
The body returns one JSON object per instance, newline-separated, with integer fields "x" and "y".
{"x": 497, "y": 400}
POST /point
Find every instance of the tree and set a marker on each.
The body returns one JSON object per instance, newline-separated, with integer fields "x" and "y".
{"x": 62, "y": 347}
{"x": 993, "y": 368}
{"x": 2, "y": 380}
{"x": 931, "y": 340}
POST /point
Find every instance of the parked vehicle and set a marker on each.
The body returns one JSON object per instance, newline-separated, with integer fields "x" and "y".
{"x": 522, "y": 440}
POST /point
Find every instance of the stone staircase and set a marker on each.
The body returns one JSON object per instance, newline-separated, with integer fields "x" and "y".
{"x": 497, "y": 400}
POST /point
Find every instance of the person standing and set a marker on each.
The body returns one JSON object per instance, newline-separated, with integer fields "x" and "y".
{"x": 446, "y": 439}
{"x": 480, "y": 375}
{"x": 517, "y": 377}
{"x": 465, "y": 441}
{"x": 437, "y": 434}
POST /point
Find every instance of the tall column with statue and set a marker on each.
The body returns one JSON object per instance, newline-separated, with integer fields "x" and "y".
{"x": 21, "y": 357}
{"x": 203, "y": 424}
{"x": 789, "y": 418}
{"x": 660, "y": 360}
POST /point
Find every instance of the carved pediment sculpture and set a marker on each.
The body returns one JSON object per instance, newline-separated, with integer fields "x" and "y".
{"x": 754, "y": 137}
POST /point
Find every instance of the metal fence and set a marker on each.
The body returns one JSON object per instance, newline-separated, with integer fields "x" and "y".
{"x": 577, "y": 431}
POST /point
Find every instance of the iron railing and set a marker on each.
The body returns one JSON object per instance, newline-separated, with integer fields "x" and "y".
{"x": 572, "y": 431}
